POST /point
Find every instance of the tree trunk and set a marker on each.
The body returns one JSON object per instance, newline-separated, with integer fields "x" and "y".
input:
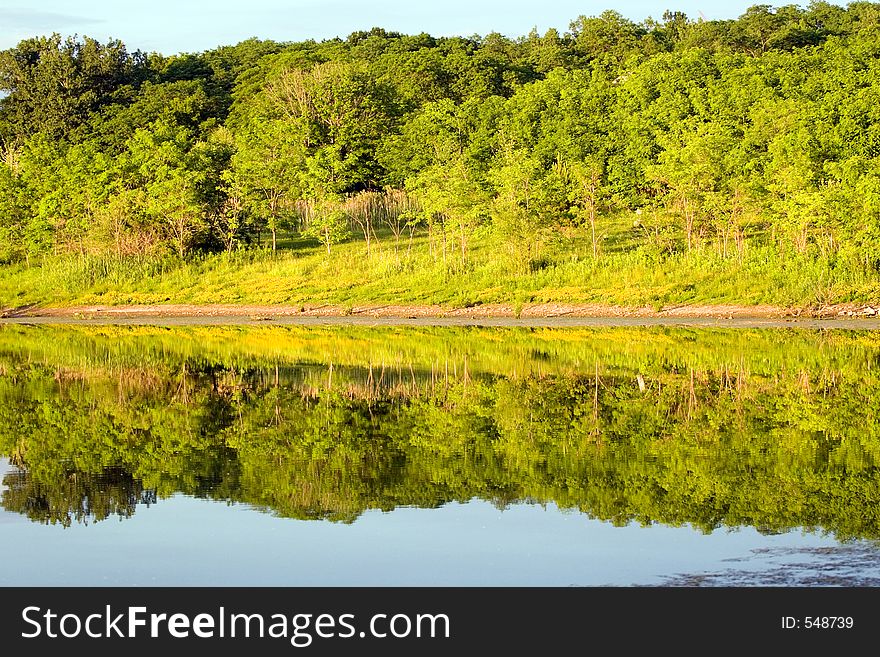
{"x": 593, "y": 230}
{"x": 685, "y": 207}
{"x": 463, "y": 244}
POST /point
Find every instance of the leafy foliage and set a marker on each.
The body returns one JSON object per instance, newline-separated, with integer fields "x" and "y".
{"x": 662, "y": 141}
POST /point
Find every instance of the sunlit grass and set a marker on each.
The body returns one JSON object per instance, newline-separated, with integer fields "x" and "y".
{"x": 565, "y": 272}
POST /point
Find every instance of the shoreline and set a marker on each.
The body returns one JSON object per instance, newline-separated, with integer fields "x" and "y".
{"x": 418, "y": 311}
{"x": 536, "y": 314}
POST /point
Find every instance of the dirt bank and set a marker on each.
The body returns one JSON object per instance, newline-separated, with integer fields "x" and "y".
{"x": 539, "y": 310}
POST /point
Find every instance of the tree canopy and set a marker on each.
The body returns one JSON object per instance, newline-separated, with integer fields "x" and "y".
{"x": 701, "y": 134}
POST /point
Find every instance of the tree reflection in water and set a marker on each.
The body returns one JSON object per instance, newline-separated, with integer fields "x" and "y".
{"x": 774, "y": 429}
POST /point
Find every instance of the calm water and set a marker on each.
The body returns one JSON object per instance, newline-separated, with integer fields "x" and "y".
{"x": 333, "y": 455}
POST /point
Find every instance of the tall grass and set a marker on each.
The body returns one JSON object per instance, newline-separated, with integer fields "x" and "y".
{"x": 567, "y": 271}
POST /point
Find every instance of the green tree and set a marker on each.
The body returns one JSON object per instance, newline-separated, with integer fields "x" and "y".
{"x": 53, "y": 84}
{"x": 340, "y": 115}
{"x": 268, "y": 171}
{"x": 14, "y": 209}
{"x": 163, "y": 162}
{"x": 588, "y": 193}
{"x": 327, "y": 223}
{"x": 692, "y": 168}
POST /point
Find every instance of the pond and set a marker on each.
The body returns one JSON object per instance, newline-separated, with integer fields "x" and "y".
{"x": 332, "y": 455}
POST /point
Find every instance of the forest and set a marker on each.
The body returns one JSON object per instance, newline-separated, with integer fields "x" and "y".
{"x": 670, "y": 160}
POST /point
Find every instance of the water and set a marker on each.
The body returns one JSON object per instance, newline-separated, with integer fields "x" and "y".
{"x": 329, "y": 455}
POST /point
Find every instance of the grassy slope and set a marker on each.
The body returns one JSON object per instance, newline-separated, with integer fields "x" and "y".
{"x": 302, "y": 273}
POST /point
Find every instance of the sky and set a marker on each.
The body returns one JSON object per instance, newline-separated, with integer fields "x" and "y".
{"x": 173, "y": 26}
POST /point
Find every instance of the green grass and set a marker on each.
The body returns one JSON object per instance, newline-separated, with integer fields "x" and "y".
{"x": 628, "y": 273}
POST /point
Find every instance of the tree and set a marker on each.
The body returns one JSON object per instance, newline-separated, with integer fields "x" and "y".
{"x": 68, "y": 184}
{"x": 327, "y": 223}
{"x": 693, "y": 169}
{"x": 453, "y": 196}
{"x": 186, "y": 103}
{"x": 589, "y": 194}
{"x": 528, "y": 202}
{"x": 14, "y": 210}
{"x": 609, "y": 37}
{"x": 792, "y": 175}
{"x": 53, "y": 85}
{"x": 762, "y": 28}
{"x": 163, "y": 162}
{"x": 268, "y": 171}
{"x": 548, "y": 52}
{"x": 340, "y": 115}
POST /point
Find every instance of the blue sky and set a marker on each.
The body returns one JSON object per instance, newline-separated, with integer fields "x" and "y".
{"x": 171, "y": 26}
